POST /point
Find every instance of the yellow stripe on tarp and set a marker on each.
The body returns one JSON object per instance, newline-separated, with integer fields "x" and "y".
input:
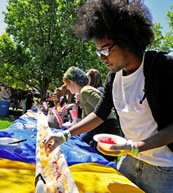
{"x": 16, "y": 177}
{"x": 11, "y": 164}
{"x": 98, "y": 178}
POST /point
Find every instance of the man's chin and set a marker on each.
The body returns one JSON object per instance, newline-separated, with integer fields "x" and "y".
{"x": 111, "y": 69}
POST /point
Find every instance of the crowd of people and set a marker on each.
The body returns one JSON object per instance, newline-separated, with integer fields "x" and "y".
{"x": 62, "y": 96}
{"x": 18, "y": 99}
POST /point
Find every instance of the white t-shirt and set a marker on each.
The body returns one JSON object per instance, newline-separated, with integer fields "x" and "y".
{"x": 136, "y": 119}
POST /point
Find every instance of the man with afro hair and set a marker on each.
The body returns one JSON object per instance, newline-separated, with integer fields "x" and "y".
{"x": 138, "y": 86}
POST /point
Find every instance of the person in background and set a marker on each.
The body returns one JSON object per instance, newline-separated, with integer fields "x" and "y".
{"x": 76, "y": 81}
{"x": 138, "y": 85}
{"x": 17, "y": 99}
{"x": 1, "y": 92}
{"x": 29, "y": 99}
{"x": 64, "y": 102}
{"x": 65, "y": 93}
{"x": 23, "y": 105}
{"x": 48, "y": 102}
{"x": 23, "y": 101}
{"x": 7, "y": 93}
{"x": 95, "y": 79}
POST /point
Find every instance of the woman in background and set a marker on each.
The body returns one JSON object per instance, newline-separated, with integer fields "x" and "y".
{"x": 76, "y": 82}
{"x": 95, "y": 79}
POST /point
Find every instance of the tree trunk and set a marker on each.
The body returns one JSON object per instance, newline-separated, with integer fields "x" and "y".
{"x": 44, "y": 84}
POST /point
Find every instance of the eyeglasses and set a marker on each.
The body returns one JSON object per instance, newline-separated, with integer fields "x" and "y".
{"x": 105, "y": 52}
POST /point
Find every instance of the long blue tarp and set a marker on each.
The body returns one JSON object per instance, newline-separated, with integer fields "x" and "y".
{"x": 23, "y": 128}
{"x": 75, "y": 150}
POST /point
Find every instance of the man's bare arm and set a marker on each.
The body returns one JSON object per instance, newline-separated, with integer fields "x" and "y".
{"x": 163, "y": 137}
{"x": 88, "y": 123}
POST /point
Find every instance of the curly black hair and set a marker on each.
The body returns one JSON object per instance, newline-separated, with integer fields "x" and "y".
{"x": 127, "y": 23}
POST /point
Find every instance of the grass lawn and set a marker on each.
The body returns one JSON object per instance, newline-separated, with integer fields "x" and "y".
{"x": 5, "y": 122}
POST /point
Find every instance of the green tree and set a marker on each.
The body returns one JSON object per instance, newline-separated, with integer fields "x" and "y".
{"x": 40, "y": 45}
{"x": 12, "y": 59}
{"x": 168, "y": 40}
{"x": 158, "y": 38}
{"x": 163, "y": 43}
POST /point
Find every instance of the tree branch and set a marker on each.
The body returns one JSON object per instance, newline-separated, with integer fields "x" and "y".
{"x": 66, "y": 52}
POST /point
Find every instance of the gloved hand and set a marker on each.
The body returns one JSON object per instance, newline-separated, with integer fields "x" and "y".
{"x": 53, "y": 141}
{"x": 117, "y": 149}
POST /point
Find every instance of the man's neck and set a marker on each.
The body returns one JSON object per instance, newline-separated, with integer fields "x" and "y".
{"x": 133, "y": 64}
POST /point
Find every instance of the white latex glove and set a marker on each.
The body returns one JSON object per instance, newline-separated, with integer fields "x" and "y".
{"x": 52, "y": 141}
{"x": 117, "y": 149}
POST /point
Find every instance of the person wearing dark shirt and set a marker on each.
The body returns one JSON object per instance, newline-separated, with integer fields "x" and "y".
{"x": 29, "y": 99}
{"x": 138, "y": 86}
{"x": 17, "y": 99}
